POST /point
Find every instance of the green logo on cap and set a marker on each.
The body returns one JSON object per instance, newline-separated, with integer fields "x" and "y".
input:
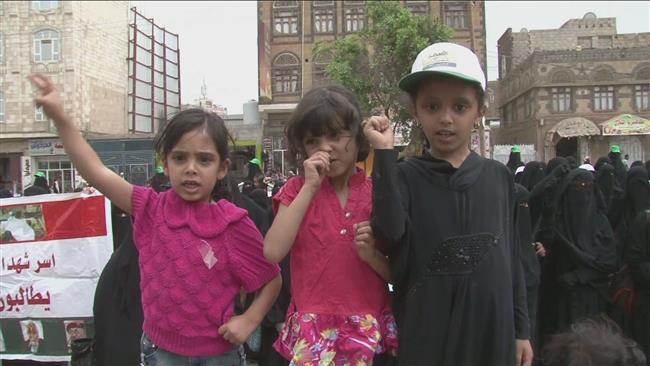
{"x": 40, "y": 174}
{"x": 160, "y": 169}
{"x": 615, "y": 149}
{"x": 516, "y": 149}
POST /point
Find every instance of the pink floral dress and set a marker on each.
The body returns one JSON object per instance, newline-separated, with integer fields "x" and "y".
{"x": 340, "y": 312}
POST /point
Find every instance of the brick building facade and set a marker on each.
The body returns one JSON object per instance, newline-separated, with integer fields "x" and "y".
{"x": 82, "y": 47}
{"x": 562, "y": 90}
{"x": 289, "y": 30}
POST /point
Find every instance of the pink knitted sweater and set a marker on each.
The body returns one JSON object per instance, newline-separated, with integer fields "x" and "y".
{"x": 194, "y": 257}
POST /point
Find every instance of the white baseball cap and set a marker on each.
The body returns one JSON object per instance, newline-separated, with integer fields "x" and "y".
{"x": 444, "y": 58}
{"x": 587, "y": 167}
{"x": 519, "y": 170}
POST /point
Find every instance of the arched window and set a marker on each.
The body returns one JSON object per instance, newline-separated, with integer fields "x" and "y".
{"x": 286, "y": 74}
{"x": 46, "y": 46}
{"x": 642, "y": 73}
{"x": 562, "y": 77}
{"x": 603, "y": 75}
{"x": 319, "y": 73}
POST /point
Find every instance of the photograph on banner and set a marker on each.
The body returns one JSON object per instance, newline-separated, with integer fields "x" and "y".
{"x": 74, "y": 329}
{"x": 53, "y": 250}
{"x": 32, "y": 334}
{"x": 21, "y": 223}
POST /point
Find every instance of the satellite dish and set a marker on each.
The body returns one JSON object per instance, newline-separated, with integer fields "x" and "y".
{"x": 523, "y": 30}
{"x": 590, "y": 15}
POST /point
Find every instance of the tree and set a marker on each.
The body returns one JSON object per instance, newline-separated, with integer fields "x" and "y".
{"x": 372, "y": 61}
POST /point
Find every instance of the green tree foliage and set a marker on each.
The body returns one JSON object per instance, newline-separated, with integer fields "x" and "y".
{"x": 372, "y": 61}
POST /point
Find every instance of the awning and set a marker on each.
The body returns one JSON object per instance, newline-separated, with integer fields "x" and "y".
{"x": 575, "y": 126}
{"x": 626, "y": 124}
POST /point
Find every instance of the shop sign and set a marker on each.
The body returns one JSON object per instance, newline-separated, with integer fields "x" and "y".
{"x": 45, "y": 147}
{"x": 626, "y": 124}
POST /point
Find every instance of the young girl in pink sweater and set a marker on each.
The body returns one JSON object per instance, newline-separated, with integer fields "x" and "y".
{"x": 195, "y": 253}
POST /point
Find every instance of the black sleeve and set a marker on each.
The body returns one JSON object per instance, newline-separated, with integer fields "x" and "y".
{"x": 389, "y": 219}
{"x": 522, "y": 324}
{"x": 637, "y": 251}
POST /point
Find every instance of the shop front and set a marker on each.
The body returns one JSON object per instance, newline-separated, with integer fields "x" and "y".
{"x": 570, "y": 137}
{"x": 48, "y": 156}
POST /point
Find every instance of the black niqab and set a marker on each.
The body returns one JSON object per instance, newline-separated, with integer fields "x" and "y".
{"x": 637, "y": 192}
{"x": 618, "y": 165}
{"x": 514, "y": 161}
{"x": 533, "y": 173}
{"x": 602, "y": 160}
{"x": 554, "y": 163}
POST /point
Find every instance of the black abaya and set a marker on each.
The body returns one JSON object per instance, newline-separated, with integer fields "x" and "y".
{"x": 460, "y": 295}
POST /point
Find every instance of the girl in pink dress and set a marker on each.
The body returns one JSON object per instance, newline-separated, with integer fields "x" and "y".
{"x": 340, "y": 312}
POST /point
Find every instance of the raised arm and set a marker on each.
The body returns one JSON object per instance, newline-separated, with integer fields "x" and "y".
{"x": 282, "y": 234}
{"x": 83, "y": 157}
{"x": 388, "y": 215}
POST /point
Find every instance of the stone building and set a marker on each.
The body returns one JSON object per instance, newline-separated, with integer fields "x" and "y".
{"x": 288, "y": 31}
{"x": 576, "y": 90}
{"x": 82, "y": 47}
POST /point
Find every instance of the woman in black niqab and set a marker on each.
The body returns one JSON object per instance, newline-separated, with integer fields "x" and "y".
{"x": 619, "y": 167}
{"x": 602, "y": 160}
{"x": 533, "y": 173}
{"x": 514, "y": 161}
{"x": 580, "y": 256}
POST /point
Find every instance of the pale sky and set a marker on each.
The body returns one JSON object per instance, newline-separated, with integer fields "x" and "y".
{"x": 218, "y": 40}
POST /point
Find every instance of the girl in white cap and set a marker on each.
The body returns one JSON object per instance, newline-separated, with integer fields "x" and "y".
{"x": 448, "y": 219}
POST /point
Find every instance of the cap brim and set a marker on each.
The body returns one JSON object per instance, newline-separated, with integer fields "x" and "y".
{"x": 412, "y": 80}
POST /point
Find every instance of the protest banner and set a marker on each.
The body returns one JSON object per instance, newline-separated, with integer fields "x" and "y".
{"x": 52, "y": 251}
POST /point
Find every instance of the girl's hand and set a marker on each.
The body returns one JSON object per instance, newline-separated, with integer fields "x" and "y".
{"x": 365, "y": 241}
{"x": 540, "y": 250}
{"x": 316, "y": 168}
{"x": 378, "y": 132}
{"x": 49, "y": 97}
{"x": 238, "y": 329}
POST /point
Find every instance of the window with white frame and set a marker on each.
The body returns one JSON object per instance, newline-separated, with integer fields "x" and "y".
{"x": 354, "y": 14}
{"x": 642, "y": 97}
{"x": 286, "y": 74}
{"x": 603, "y": 98}
{"x": 46, "y": 46}
{"x": 456, "y": 15}
{"x": 39, "y": 115}
{"x": 2, "y": 107}
{"x": 285, "y": 17}
{"x": 324, "y": 16}
{"x": 561, "y": 99}
{"x": 45, "y": 5}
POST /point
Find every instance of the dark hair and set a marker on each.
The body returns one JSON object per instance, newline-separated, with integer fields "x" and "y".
{"x": 413, "y": 92}
{"x": 596, "y": 342}
{"x": 190, "y": 120}
{"x": 322, "y": 111}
